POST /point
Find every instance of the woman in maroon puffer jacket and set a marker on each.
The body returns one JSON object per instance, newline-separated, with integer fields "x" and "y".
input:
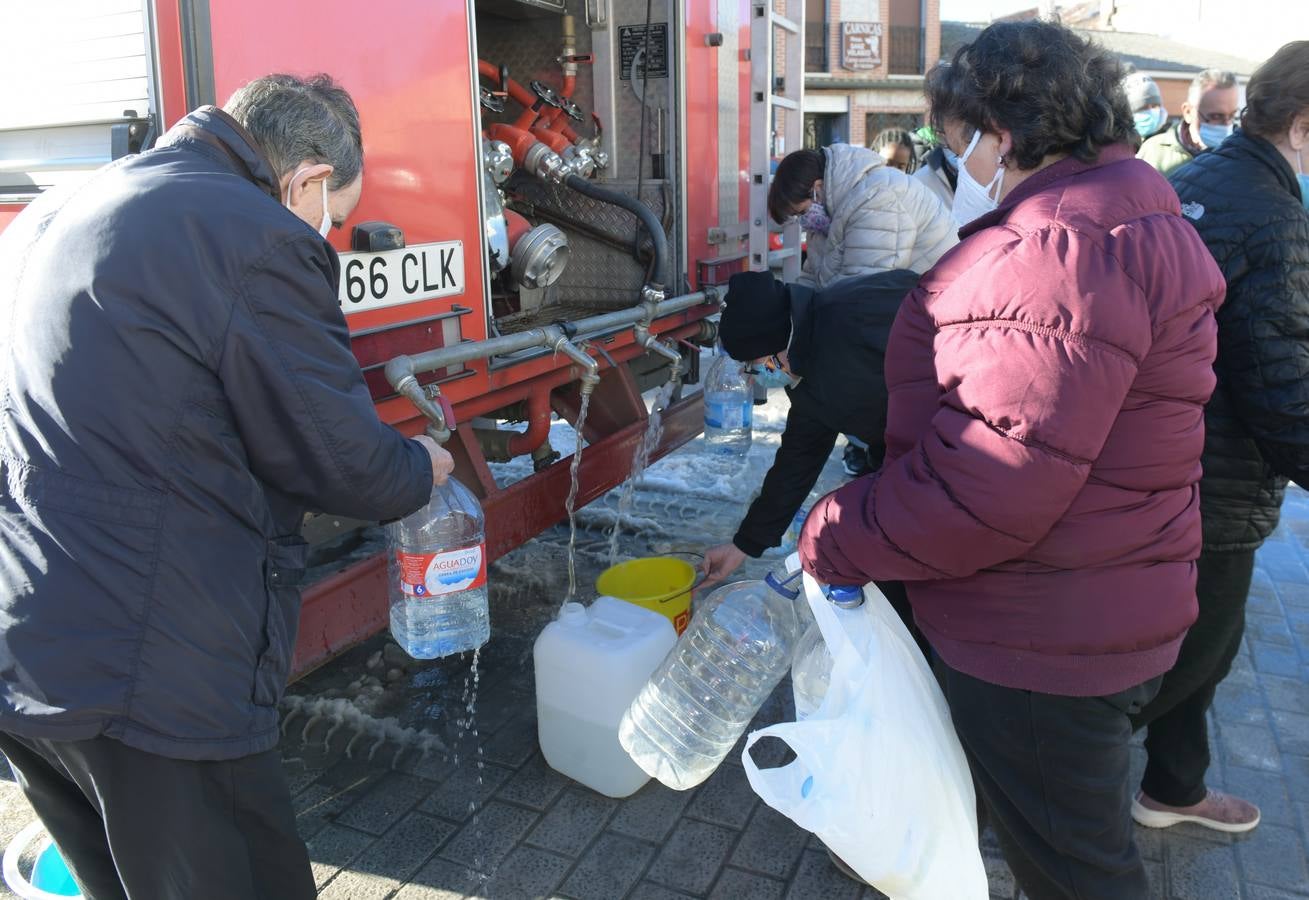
{"x": 1047, "y": 387}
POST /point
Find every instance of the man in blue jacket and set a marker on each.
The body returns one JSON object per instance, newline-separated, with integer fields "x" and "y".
{"x": 177, "y": 391}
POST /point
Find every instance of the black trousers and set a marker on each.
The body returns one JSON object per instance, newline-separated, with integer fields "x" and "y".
{"x": 134, "y": 825}
{"x": 1177, "y": 739}
{"x": 1053, "y": 775}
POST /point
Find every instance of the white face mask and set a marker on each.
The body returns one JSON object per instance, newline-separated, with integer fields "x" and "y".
{"x": 972, "y": 200}
{"x": 326, "y": 224}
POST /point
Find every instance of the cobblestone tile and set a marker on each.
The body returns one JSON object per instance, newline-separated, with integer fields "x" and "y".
{"x": 1275, "y": 660}
{"x": 1262, "y": 601}
{"x": 1248, "y": 745}
{"x": 434, "y": 767}
{"x": 332, "y": 849}
{"x": 1293, "y": 595}
{"x": 1239, "y": 704}
{"x": 999, "y": 880}
{"x": 467, "y": 786}
{"x": 609, "y": 868}
{"x": 691, "y": 858}
{"x": 1292, "y": 731}
{"x": 1286, "y": 694}
{"x": 322, "y": 802}
{"x": 385, "y": 802}
{"x": 771, "y": 844}
{"x": 528, "y": 873}
{"x": 651, "y": 812}
{"x": 648, "y": 891}
{"x": 1275, "y": 857}
{"x": 726, "y": 798}
{"x": 1150, "y": 841}
{"x": 1198, "y": 870}
{"x": 1270, "y": 628}
{"x": 535, "y": 784}
{"x": 513, "y": 744}
{"x": 389, "y": 862}
{"x": 573, "y": 822}
{"x": 735, "y": 884}
{"x": 485, "y": 840}
{"x": 1260, "y": 892}
{"x": 441, "y": 880}
{"x": 818, "y": 879}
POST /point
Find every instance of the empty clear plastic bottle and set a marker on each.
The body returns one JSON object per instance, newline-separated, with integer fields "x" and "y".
{"x": 438, "y": 575}
{"x": 811, "y": 673}
{"x": 728, "y": 407}
{"x": 703, "y": 695}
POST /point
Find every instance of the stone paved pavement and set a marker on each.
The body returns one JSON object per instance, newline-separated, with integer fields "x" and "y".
{"x": 489, "y": 819}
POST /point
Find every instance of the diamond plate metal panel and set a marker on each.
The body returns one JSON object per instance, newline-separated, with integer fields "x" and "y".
{"x": 599, "y": 275}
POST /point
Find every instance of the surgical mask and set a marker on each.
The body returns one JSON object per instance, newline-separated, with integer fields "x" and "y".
{"x": 326, "y": 224}
{"x": 1148, "y": 121}
{"x": 815, "y": 218}
{"x": 972, "y": 200}
{"x": 772, "y": 378}
{"x": 1303, "y": 177}
{"x": 1213, "y": 135}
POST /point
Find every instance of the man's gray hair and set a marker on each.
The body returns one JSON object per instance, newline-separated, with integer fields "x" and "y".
{"x": 1206, "y": 80}
{"x": 294, "y": 119}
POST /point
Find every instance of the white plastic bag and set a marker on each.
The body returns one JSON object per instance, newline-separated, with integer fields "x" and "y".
{"x": 879, "y": 774}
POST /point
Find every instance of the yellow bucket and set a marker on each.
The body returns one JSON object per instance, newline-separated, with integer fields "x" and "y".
{"x": 661, "y": 583}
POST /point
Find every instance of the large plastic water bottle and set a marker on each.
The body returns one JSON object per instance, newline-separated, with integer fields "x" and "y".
{"x": 728, "y": 407}
{"x": 811, "y": 673}
{"x": 698, "y": 702}
{"x": 438, "y": 575}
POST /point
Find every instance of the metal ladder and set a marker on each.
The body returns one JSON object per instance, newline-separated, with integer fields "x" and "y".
{"x": 770, "y": 92}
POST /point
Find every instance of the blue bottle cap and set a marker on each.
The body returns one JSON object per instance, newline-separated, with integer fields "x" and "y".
{"x": 784, "y": 586}
{"x": 846, "y": 596}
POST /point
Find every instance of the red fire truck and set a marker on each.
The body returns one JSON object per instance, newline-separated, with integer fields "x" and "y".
{"x": 553, "y": 189}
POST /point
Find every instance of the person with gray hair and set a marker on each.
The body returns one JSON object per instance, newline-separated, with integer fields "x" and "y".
{"x": 178, "y": 390}
{"x": 1208, "y": 117}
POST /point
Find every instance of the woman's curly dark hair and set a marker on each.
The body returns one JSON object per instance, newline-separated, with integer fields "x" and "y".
{"x": 1055, "y": 91}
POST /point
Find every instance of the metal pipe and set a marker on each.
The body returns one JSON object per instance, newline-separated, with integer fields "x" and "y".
{"x": 560, "y": 343}
{"x": 538, "y": 425}
{"x": 410, "y": 388}
{"x": 654, "y": 345}
{"x": 401, "y": 368}
{"x": 638, "y": 209}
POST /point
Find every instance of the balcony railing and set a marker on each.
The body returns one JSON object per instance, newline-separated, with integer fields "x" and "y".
{"x": 908, "y": 48}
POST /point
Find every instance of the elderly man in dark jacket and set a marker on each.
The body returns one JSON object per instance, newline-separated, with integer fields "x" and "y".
{"x": 834, "y": 342}
{"x": 178, "y": 389}
{"x": 1246, "y": 202}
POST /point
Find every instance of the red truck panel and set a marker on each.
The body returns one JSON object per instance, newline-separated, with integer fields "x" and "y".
{"x": 408, "y": 69}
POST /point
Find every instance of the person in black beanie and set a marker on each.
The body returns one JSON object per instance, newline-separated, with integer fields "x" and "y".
{"x": 833, "y": 345}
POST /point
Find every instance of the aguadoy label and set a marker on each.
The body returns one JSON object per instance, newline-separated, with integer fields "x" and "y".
{"x": 435, "y": 574}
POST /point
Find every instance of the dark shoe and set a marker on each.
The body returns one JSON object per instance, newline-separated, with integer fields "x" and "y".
{"x": 855, "y": 461}
{"x": 1219, "y": 811}
{"x": 843, "y": 868}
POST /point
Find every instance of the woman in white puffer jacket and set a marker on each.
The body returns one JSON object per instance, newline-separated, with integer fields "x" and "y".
{"x": 860, "y": 215}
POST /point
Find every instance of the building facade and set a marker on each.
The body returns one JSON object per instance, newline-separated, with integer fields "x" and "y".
{"x": 864, "y": 67}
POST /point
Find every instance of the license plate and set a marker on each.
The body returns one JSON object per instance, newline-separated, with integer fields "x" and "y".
{"x": 396, "y": 277}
